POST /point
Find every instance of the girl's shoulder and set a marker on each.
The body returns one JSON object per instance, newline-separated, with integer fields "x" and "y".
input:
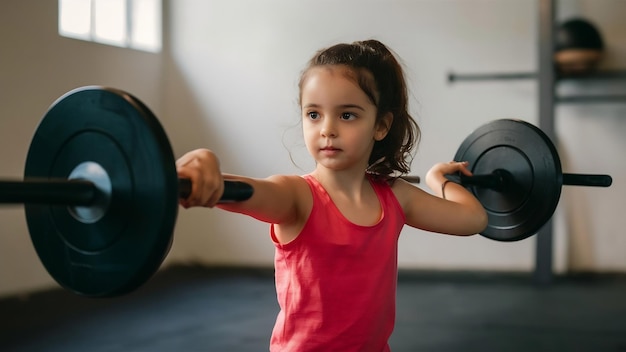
{"x": 298, "y": 187}
{"x": 294, "y": 183}
{"x": 407, "y": 193}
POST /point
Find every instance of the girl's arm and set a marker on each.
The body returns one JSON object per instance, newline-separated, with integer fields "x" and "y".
{"x": 276, "y": 199}
{"x": 459, "y": 214}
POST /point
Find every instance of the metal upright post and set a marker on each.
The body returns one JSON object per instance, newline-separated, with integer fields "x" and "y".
{"x": 546, "y": 89}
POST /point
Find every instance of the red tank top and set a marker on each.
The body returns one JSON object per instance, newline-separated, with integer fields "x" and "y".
{"x": 336, "y": 281}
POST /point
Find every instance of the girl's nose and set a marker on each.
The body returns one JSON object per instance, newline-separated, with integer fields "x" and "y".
{"x": 328, "y": 129}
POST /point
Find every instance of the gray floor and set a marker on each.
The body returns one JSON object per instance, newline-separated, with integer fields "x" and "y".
{"x": 197, "y": 309}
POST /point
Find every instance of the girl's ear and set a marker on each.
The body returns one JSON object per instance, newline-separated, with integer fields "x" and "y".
{"x": 383, "y": 127}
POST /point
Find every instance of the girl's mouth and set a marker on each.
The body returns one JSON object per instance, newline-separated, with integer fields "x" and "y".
{"x": 330, "y": 150}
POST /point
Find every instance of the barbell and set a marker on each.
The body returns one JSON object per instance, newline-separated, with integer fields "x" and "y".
{"x": 100, "y": 188}
{"x": 517, "y": 177}
{"x": 101, "y": 192}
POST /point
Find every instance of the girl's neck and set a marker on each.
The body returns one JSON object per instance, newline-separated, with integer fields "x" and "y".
{"x": 349, "y": 183}
{"x": 352, "y": 194}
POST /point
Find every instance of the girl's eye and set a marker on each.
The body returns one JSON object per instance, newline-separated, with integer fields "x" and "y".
{"x": 348, "y": 116}
{"x": 313, "y": 115}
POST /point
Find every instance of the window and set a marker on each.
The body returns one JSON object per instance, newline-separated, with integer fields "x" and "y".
{"x": 126, "y": 23}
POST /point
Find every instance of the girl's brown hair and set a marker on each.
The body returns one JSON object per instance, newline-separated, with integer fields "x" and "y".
{"x": 381, "y": 77}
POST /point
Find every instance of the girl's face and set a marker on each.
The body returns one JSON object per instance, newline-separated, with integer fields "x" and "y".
{"x": 339, "y": 120}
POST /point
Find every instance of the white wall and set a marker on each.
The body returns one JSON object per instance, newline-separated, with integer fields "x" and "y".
{"x": 228, "y": 81}
{"x": 233, "y": 75}
{"x": 240, "y": 61}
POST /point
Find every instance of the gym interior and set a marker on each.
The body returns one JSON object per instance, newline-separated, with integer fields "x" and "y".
{"x": 225, "y": 77}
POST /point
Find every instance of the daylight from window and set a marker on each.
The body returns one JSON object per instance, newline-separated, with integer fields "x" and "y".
{"x": 126, "y": 23}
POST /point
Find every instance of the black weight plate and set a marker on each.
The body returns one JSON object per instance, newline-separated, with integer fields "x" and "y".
{"x": 534, "y": 188}
{"x": 120, "y": 251}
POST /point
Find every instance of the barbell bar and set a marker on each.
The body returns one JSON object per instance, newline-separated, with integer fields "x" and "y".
{"x": 83, "y": 192}
{"x": 100, "y": 188}
{"x": 500, "y": 179}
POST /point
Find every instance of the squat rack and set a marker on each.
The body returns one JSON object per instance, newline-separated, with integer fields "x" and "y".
{"x": 547, "y": 78}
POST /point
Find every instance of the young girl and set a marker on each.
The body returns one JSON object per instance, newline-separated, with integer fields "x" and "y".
{"x": 336, "y": 229}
